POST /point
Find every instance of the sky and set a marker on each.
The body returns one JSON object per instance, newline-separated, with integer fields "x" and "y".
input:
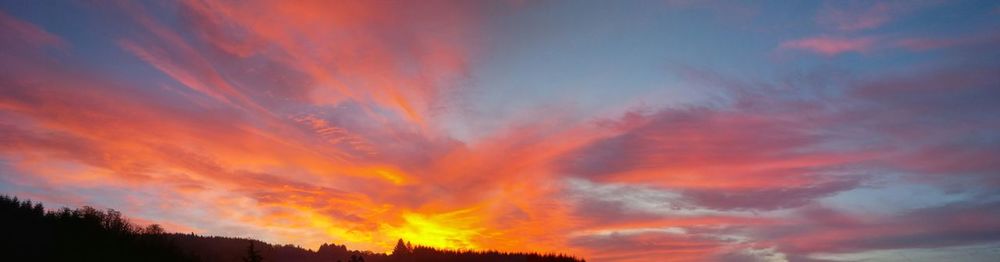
{"x": 677, "y": 130}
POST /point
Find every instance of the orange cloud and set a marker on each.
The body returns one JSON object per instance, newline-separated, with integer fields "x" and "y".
{"x": 314, "y": 122}
{"x": 375, "y": 53}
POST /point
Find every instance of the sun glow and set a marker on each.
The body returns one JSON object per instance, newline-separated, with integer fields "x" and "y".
{"x": 632, "y": 133}
{"x": 452, "y": 230}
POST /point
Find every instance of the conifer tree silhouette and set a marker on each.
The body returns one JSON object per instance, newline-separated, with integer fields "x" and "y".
{"x": 252, "y": 254}
{"x": 401, "y": 249}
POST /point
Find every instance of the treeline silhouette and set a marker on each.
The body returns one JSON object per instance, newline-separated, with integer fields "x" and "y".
{"x": 30, "y": 233}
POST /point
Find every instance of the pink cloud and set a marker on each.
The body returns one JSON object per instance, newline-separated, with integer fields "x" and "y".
{"x": 836, "y": 45}
{"x": 819, "y": 229}
{"x": 352, "y": 176}
{"x": 864, "y": 15}
{"x": 921, "y": 44}
{"x": 929, "y": 43}
{"x": 14, "y": 28}
{"x": 855, "y": 17}
{"x": 831, "y": 46}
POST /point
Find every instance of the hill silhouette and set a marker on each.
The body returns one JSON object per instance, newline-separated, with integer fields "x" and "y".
{"x": 30, "y": 233}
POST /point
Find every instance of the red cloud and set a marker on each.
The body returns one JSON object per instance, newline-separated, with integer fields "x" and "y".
{"x": 309, "y": 125}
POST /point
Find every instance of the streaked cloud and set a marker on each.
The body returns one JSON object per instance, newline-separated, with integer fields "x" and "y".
{"x": 322, "y": 122}
{"x": 831, "y": 45}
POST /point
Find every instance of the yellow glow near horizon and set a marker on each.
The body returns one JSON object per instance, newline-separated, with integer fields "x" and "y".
{"x": 452, "y": 230}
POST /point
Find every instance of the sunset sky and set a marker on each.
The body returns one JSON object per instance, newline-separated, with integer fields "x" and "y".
{"x": 669, "y": 130}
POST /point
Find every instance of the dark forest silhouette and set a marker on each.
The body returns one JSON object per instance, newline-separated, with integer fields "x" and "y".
{"x": 30, "y": 233}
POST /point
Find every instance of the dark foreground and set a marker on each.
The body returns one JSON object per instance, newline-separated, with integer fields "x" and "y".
{"x": 30, "y": 233}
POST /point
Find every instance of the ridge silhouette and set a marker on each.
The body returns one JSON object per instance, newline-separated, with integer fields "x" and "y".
{"x": 30, "y": 233}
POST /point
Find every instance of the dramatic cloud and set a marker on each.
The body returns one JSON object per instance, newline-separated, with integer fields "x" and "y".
{"x": 316, "y": 122}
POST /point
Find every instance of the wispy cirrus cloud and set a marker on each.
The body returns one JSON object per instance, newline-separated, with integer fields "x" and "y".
{"x": 852, "y": 27}
{"x": 320, "y": 122}
{"x": 702, "y": 164}
{"x": 864, "y": 15}
{"x": 27, "y": 33}
{"x": 831, "y": 45}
